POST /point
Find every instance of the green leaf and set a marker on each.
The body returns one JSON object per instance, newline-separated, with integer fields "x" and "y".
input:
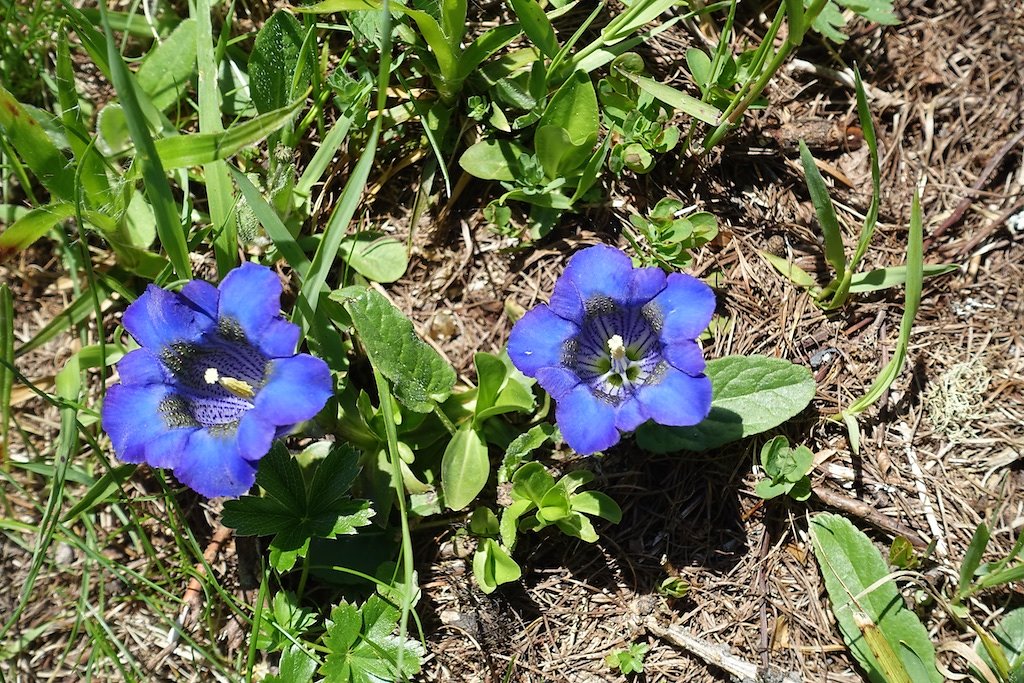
{"x": 893, "y": 276}
{"x": 493, "y": 159}
{"x": 294, "y": 512}
{"x": 184, "y": 151}
{"x": 483, "y": 523}
{"x": 28, "y": 138}
{"x": 791, "y": 271}
{"x": 375, "y": 256}
{"x": 850, "y": 564}
{"x": 826, "y": 212}
{"x": 532, "y": 482}
{"x": 288, "y": 616}
{"x": 492, "y": 566}
{"x": 915, "y": 278}
{"x": 158, "y": 190}
{"x": 364, "y": 648}
{"x": 972, "y": 559}
{"x": 7, "y": 364}
{"x": 573, "y": 108}
{"x": 1009, "y": 635}
{"x": 99, "y": 492}
{"x": 274, "y": 60}
{"x": 464, "y": 468}
{"x": 536, "y": 25}
{"x": 596, "y": 504}
{"x": 751, "y": 394}
{"x": 421, "y": 377}
{"x": 490, "y": 373}
{"x": 167, "y": 70}
{"x": 296, "y": 667}
{"x": 674, "y": 98}
{"x": 521, "y": 447}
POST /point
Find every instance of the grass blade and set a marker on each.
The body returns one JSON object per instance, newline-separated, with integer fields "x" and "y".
{"x": 6, "y": 375}
{"x": 826, "y": 212}
{"x": 218, "y": 183}
{"x": 972, "y": 559}
{"x": 915, "y": 279}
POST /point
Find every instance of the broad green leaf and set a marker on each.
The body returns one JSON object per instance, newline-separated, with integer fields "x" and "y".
{"x": 421, "y": 377}
{"x": 826, "y": 212}
{"x": 286, "y": 615}
{"x": 573, "y": 108}
{"x": 295, "y": 512}
{"x": 492, "y": 566}
{"x": 183, "y": 151}
{"x": 41, "y": 155}
{"x": 532, "y": 482}
{"x": 596, "y": 504}
{"x": 700, "y": 66}
{"x": 536, "y": 25}
{"x": 850, "y": 564}
{"x": 751, "y": 394}
{"x": 274, "y": 60}
{"x": 296, "y": 667}
{"x": 490, "y": 375}
{"x": 558, "y": 155}
{"x": 493, "y": 159}
{"x": 375, "y": 256}
{"x": 464, "y": 468}
{"x": 167, "y": 70}
{"x": 893, "y": 276}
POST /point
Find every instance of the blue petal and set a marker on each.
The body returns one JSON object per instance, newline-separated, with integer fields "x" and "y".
{"x": 599, "y": 271}
{"x": 141, "y": 367}
{"x": 159, "y": 318}
{"x": 204, "y": 295}
{"x": 587, "y": 423}
{"x": 537, "y": 339}
{"x": 685, "y": 307}
{"x": 645, "y": 284}
{"x": 250, "y": 295}
{"x": 278, "y": 339}
{"x": 557, "y": 381}
{"x": 686, "y": 356}
{"x": 629, "y": 415}
{"x": 678, "y": 400}
{"x": 131, "y": 417}
{"x": 297, "y": 388}
{"x": 255, "y": 434}
{"x": 212, "y": 466}
{"x": 166, "y": 450}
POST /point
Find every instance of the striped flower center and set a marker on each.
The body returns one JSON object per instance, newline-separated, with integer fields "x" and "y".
{"x": 215, "y": 383}
{"x": 617, "y": 350}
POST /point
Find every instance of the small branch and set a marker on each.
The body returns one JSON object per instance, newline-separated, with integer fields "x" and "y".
{"x": 863, "y": 511}
{"x": 719, "y": 656}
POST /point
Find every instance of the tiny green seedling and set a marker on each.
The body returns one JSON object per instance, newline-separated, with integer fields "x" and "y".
{"x": 628, "y": 661}
{"x": 665, "y": 238}
{"x": 674, "y": 587}
{"x": 786, "y": 469}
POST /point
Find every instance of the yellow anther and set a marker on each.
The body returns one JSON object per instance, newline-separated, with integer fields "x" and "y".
{"x": 238, "y": 387}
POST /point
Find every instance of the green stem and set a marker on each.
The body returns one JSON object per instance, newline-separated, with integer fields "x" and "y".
{"x": 387, "y": 408}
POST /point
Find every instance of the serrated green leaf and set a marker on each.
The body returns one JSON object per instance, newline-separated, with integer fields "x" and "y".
{"x": 521, "y": 447}
{"x": 419, "y": 375}
{"x": 751, "y": 394}
{"x": 363, "y": 647}
{"x": 850, "y": 564}
{"x": 295, "y": 513}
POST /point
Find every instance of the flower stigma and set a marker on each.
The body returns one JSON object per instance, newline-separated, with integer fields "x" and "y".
{"x": 239, "y": 388}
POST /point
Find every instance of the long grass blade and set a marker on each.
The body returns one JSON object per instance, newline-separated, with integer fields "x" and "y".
{"x": 6, "y": 375}
{"x": 157, "y": 187}
{"x": 826, "y": 212}
{"x": 218, "y": 183}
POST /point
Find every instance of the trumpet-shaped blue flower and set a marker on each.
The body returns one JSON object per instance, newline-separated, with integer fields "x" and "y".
{"x": 216, "y": 381}
{"x": 616, "y": 346}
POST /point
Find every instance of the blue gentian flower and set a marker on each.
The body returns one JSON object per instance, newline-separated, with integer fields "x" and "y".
{"x": 616, "y": 347}
{"x": 216, "y": 381}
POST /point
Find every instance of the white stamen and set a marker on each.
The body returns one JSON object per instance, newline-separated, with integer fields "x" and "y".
{"x": 617, "y": 347}
{"x": 211, "y": 376}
